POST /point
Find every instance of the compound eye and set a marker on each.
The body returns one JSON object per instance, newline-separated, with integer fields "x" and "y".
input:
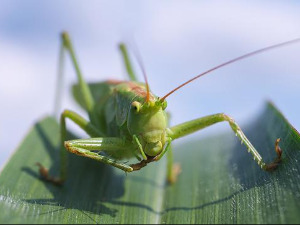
{"x": 136, "y": 106}
{"x": 164, "y": 105}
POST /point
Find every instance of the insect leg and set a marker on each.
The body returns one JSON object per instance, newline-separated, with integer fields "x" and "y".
{"x": 127, "y": 63}
{"x": 198, "y": 124}
{"x": 140, "y": 148}
{"x": 173, "y": 169}
{"x": 84, "y": 88}
{"x": 85, "y": 147}
{"x": 89, "y": 128}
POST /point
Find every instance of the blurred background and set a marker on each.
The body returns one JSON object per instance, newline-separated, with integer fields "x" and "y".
{"x": 177, "y": 40}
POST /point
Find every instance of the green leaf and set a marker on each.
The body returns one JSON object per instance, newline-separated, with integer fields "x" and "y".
{"x": 219, "y": 183}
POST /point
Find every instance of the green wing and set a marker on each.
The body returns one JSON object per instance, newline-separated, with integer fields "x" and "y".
{"x": 101, "y": 92}
{"x": 122, "y": 107}
{"x": 116, "y": 108}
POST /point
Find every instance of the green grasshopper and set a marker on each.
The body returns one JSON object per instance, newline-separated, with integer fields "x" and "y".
{"x": 127, "y": 121}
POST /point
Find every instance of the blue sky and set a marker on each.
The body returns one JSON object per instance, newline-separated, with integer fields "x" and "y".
{"x": 177, "y": 40}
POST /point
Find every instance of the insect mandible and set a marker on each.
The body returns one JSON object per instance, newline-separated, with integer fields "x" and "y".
{"x": 128, "y": 121}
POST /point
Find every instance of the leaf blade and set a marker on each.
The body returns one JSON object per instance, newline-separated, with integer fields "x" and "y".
{"x": 220, "y": 183}
{"x": 231, "y": 187}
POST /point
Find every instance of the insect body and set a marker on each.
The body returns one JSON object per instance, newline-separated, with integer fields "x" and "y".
{"x": 126, "y": 113}
{"x": 128, "y": 121}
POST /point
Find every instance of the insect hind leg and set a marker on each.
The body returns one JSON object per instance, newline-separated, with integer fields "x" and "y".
{"x": 127, "y": 62}
{"x": 88, "y": 100}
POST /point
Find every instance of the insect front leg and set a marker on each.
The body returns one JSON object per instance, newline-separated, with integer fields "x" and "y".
{"x": 87, "y": 148}
{"x": 89, "y": 128}
{"x": 198, "y": 124}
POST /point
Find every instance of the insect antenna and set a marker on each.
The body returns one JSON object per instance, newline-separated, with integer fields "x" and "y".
{"x": 231, "y": 61}
{"x": 141, "y": 65}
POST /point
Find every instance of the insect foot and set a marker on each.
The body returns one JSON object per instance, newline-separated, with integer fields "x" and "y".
{"x": 142, "y": 163}
{"x": 176, "y": 170}
{"x": 272, "y": 166}
{"x": 45, "y": 176}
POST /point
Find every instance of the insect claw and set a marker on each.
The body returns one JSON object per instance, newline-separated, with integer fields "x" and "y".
{"x": 278, "y": 149}
{"x": 45, "y": 175}
{"x": 43, "y": 171}
{"x": 176, "y": 170}
{"x": 142, "y": 163}
{"x": 272, "y": 166}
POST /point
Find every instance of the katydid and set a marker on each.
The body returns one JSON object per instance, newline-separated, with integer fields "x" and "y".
{"x": 128, "y": 121}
